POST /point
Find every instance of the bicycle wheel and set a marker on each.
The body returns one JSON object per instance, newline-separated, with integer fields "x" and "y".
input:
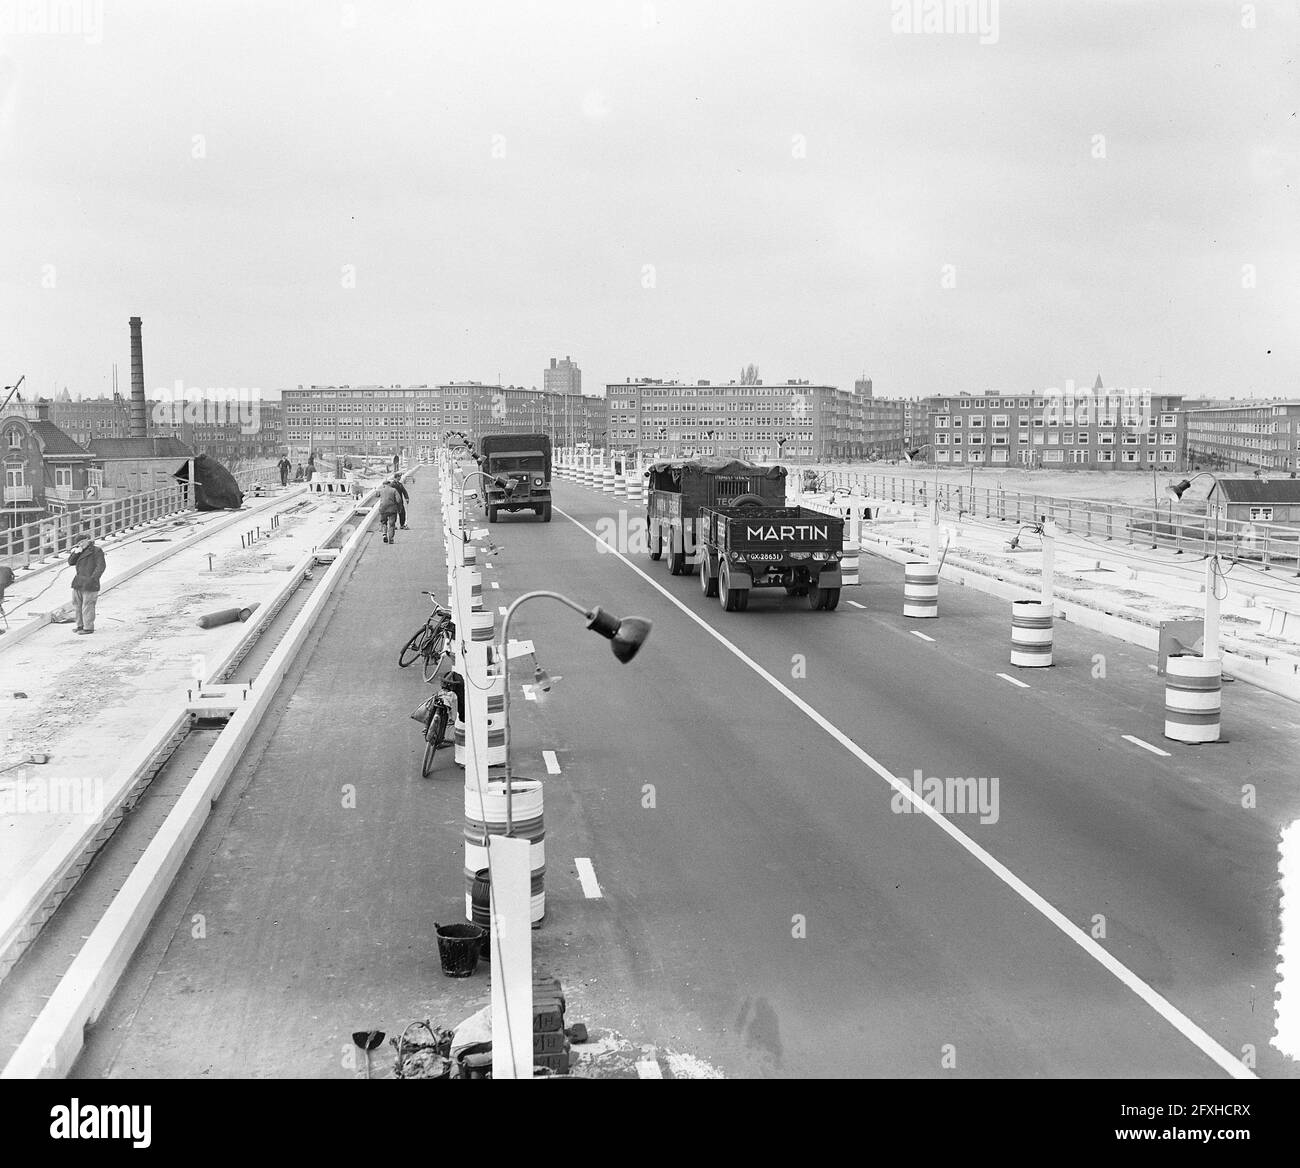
{"x": 432, "y": 653}
{"x": 433, "y": 736}
{"x": 412, "y": 649}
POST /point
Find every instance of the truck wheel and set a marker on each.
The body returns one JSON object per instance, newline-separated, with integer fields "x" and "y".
{"x": 492, "y": 514}
{"x": 545, "y": 512}
{"x": 825, "y": 598}
{"x": 708, "y": 581}
{"x": 733, "y": 599}
{"x": 676, "y": 563}
{"x": 656, "y": 540}
{"x": 832, "y": 596}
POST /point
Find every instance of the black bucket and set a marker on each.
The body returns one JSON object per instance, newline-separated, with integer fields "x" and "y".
{"x": 458, "y": 948}
{"x": 480, "y": 897}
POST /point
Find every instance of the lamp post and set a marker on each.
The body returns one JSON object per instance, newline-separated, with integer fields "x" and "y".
{"x": 1212, "y": 572}
{"x": 910, "y": 455}
{"x": 496, "y": 481}
{"x": 626, "y": 636}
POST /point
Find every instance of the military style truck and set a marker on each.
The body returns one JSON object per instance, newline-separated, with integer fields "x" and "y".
{"x": 677, "y": 491}
{"x": 747, "y": 545}
{"x": 524, "y": 461}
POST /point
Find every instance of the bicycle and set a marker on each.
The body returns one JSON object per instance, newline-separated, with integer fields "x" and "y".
{"x": 439, "y": 712}
{"x": 429, "y": 641}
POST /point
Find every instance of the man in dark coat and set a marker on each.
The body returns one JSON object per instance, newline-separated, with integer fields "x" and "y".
{"x": 285, "y": 467}
{"x": 403, "y": 497}
{"x": 88, "y": 559}
{"x": 388, "y": 500}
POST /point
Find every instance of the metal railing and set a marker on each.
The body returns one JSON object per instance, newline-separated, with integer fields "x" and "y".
{"x": 266, "y": 473}
{"x": 1272, "y": 544}
{"x": 57, "y": 535}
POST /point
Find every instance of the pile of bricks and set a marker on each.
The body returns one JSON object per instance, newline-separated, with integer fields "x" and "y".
{"x": 550, "y": 1043}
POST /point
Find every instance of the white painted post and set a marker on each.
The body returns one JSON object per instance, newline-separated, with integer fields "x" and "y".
{"x": 512, "y": 957}
{"x": 1211, "y": 648}
{"x": 1049, "y": 565}
{"x": 934, "y": 528}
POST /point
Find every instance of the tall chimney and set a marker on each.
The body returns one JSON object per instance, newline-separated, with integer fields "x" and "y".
{"x": 139, "y": 417}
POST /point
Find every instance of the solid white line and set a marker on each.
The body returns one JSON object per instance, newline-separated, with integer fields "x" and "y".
{"x": 922, "y": 636}
{"x": 1166, "y": 1009}
{"x": 856, "y": 604}
{"x": 1146, "y": 746}
{"x": 587, "y": 878}
{"x": 1013, "y": 680}
{"x": 552, "y": 763}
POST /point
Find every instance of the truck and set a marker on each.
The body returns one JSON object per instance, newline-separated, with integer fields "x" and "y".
{"x": 524, "y": 462}
{"x": 746, "y": 545}
{"x": 677, "y": 490}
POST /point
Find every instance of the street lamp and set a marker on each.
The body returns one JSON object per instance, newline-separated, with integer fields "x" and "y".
{"x": 625, "y": 636}
{"x": 495, "y": 480}
{"x": 1177, "y": 490}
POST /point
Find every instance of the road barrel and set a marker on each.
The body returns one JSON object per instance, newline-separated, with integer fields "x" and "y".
{"x": 850, "y": 559}
{"x": 620, "y": 485}
{"x": 607, "y": 479}
{"x": 920, "y": 589}
{"x": 485, "y": 815}
{"x": 635, "y": 494}
{"x": 1193, "y": 698}
{"x": 468, "y": 555}
{"x": 584, "y": 477}
{"x": 475, "y": 588}
{"x": 1031, "y": 634}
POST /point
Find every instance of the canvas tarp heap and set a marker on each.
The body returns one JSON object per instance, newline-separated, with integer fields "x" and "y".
{"x": 668, "y": 475}
{"x": 215, "y": 488}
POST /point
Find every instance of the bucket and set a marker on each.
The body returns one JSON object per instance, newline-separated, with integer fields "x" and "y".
{"x": 458, "y": 948}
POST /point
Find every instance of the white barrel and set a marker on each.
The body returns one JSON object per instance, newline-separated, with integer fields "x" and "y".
{"x": 480, "y": 625}
{"x": 850, "y": 560}
{"x": 635, "y": 493}
{"x": 607, "y": 480}
{"x": 496, "y": 728}
{"x": 485, "y": 815}
{"x": 1193, "y": 698}
{"x": 475, "y": 588}
{"x": 920, "y": 589}
{"x": 620, "y": 486}
{"x": 1031, "y": 634}
{"x": 468, "y": 555}
{"x": 584, "y": 474}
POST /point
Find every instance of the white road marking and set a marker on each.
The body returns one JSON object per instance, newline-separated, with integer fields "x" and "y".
{"x": 495, "y": 584}
{"x": 648, "y": 1067}
{"x": 922, "y": 636}
{"x": 587, "y": 878}
{"x": 856, "y": 604}
{"x": 1213, "y": 1050}
{"x": 552, "y": 763}
{"x": 529, "y": 695}
{"x": 1013, "y": 680}
{"x": 502, "y": 610}
{"x": 1146, "y": 746}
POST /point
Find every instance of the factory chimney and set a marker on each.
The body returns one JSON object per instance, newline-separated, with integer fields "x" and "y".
{"x": 139, "y": 414}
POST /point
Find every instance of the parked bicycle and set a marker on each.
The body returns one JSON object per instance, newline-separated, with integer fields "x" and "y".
{"x": 430, "y": 640}
{"x": 438, "y": 712}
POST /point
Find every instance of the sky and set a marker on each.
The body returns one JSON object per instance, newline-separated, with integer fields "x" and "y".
{"x": 344, "y": 193}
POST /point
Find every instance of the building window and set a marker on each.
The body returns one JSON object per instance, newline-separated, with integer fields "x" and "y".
{"x": 1264, "y": 514}
{"x": 1053, "y": 455}
{"x": 1000, "y": 421}
{"x": 62, "y": 476}
{"x": 15, "y": 438}
{"x": 1083, "y": 439}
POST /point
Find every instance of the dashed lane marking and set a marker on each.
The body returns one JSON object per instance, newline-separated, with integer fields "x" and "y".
{"x": 1194, "y": 1034}
{"x": 552, "y": 763}
{"x": 1146, "y": 746}
{"x": 856, "y": 604}
{"x": 922, "y": 636}
{"x": 587, "y": 878}
{"x": 1013, "y": 680}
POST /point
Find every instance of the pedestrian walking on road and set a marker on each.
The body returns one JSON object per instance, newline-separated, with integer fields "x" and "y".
{"x": 403, "y": 497}
{"x": 88, "y": 559}
{"x": 285, "y": 467}
{"x": 388, "y": 502}
{"x": 311, "y": 465}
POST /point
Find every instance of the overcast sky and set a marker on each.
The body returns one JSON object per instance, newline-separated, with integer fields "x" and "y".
{"x": 670, "y": 189}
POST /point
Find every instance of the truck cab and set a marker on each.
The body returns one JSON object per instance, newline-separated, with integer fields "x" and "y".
{"x": 523, "y": 462}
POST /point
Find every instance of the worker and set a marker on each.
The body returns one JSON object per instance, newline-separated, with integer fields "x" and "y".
{"x": 285, "y": 467}
{"x": 403, "y": 497}
{"x": 88, "y": 559}
{"x": 388, "y": 502}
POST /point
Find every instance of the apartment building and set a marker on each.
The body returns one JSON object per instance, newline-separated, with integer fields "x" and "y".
{"x": 1083, "y": 428}
{"x": 1246, "y": 435}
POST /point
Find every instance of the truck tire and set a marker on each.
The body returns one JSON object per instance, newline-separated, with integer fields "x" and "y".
{"x": 823, "y": 598}
{"x": 545, "y": 512}
{"x": 656, "y": 540}
{"x": 750, "y": 500}
{"x": 732, "y": 599}
{"x": 708, "y": 581}
{"x": 491, "y": 514}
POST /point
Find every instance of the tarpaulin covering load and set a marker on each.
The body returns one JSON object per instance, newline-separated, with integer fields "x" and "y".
{"x": 215, "y": 488}
{"x": 668, "y": 475}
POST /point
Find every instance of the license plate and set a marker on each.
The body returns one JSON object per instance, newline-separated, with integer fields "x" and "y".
{"x": 766, "y": 557}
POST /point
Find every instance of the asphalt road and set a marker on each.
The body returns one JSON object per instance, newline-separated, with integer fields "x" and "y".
{"x": 764, "y": 905}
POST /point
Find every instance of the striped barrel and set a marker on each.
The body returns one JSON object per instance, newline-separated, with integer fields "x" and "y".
{"x": 475, "y": 588}
{"x": 920, "y": 589}
{"x": 480, "y": 625}
{"x": 496, "y": 728}
{"x": 635, "y": 492}
{"x": 1193, "y": 697}
{"x": 584, "y": 475}
{"x": 620, "y": 487}
{"x": 468, "y": 555}
{"x": 607, "y": 480}
{"x": 485, "y": 815}
{"x": 849, "y": 562}
{"x": 1031, "y": 634}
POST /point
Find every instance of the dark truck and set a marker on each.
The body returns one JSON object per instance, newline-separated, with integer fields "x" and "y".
{"x": 524, "y": 461}
{"x": 747, "y": 545}
{"x": 677, "y": 491}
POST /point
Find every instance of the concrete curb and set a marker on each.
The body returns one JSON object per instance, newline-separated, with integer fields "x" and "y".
{"x": 52, "y": 1045}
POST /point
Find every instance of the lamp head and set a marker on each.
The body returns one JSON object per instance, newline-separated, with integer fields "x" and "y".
{"x": 626, "y": 636}
{"x": 1176, "y": 490}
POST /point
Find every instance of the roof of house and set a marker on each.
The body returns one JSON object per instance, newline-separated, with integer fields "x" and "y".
{"x": 55, "y": 442}
{"x": 1261, "y": 490}
{"x": 115, "y": 448}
